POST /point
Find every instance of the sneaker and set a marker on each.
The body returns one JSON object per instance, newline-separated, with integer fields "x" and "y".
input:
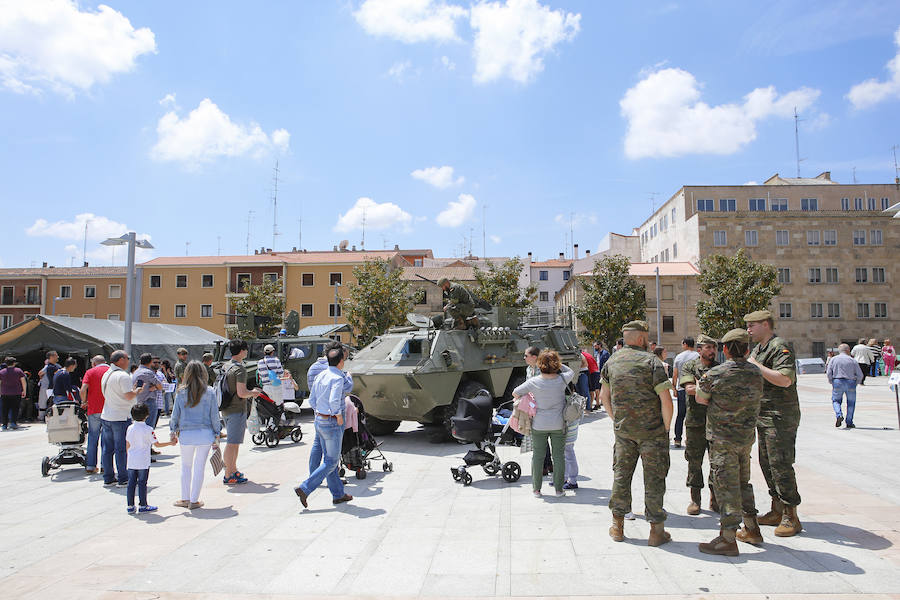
{"x": 13, "y": 426}
{"x": 851, "y": 426}
{"x": 629, "y": 515}
{"x": 234, "y": 479}
{"x": 537, "y": 493}
{"x": 570, "y": 486}
{"x": 109, "y": 484}
{"x": 4, "y": 428}
{"x": 122, "y": 484}
{"x": 130, "y": 510}
{"x": 838, "y": 421}
{"x": 676, "y": 444}
{"x": 197, "y": 504}
{"x": 560, "y": 493}
{"x": 145, "y": 509}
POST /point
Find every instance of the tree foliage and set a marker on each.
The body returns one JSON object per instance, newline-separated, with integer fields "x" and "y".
{"x": 261, "y": 300}
{"x": 735, "y": 285}
{"x": 378, "y": 300}
{"x": 612, "y": 297}
{"x": 499, "y": 285}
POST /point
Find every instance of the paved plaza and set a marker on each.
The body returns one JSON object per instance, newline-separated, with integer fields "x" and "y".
{"x": 415, "y": 532}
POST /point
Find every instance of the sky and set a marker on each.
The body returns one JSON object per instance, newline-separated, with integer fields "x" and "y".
{"x": 500, "y": 126}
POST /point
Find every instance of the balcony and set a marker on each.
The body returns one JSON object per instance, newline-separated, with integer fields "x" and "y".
{"x": 23, "y": 301}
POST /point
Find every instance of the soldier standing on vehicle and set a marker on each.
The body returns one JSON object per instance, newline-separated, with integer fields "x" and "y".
{"x": 458, "y": 302}
{"x": 732, "y": 391}
{"x": 779, "y": 418}
{"x": 636, "y": 395}
{"x": 695, "y": 445}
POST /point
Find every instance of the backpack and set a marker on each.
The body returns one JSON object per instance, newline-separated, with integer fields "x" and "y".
{"x": 224, "y": 396}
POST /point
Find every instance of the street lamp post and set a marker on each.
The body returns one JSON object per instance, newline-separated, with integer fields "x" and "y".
{"x": 53, "y": 309}
{"x": 129, "y": 239}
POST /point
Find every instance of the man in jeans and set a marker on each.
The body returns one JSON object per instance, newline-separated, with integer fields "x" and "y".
{"x": 327, "y": 399}
{"x": 843, "y": 374}
{"x": 92, "y": 402}
{"x": 687, "y": 353}
{"x": 119, "y": 395}
{"x": 321, "y": 364}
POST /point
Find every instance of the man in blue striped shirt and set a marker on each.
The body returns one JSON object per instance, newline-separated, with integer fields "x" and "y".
{"x": 269, "y": 371}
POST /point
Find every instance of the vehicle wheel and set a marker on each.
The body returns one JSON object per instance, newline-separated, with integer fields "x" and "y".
{"x": 296, "y": 435}
{"x": 491, "y": 468}
{"x": 511, "y": 472}
{"x": 466, "y": 389}
{"x": 45, "y": 466}
{"x": 514, "y": 382}
{"x": 259, "y": 438}
{"x": 342, "y": 472}
{"x": 361, "y": 474}
{"x": 271, "y": 439}
{"x": 467, "y": 479}
{"x": 379, "y": 427}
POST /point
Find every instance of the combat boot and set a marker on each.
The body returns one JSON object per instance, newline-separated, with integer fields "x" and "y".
{"x": 723, "y": 544}
{"x": 617, "y": 531}
{"x": 658, "y": 535}
{"x": 694, "y": 507}
{"x": 773, "y": 517}
{"x": 750, "y": 533}
{"x": 713, "y": 503}
{"x": 790, "y": 523}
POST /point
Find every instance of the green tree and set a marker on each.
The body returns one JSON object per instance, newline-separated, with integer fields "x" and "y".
{"x": 499, "y": 285}
{"x": 612, "y": 297}
{"x": 263, "y": 301}
{"x": 378, "y": 300}
{"x": 735, "y": 285}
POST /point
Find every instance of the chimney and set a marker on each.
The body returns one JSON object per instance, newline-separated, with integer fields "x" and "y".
{"x": 530, "y": 260}
{"x": 85, "y": 263}
{"x": 587, "y": 253}
{"x": 44, "y": 265}
{"x": 269, "y": 250}
{"x": 562, "y": 256}
{"x": 396, "y": 247}
{"x": 334, "y": 249}
{"x": 353, "y": 248}
{"x": 255, "y": 251}
{"x": 294, "y": 249}
{"x": 576, "y": 252}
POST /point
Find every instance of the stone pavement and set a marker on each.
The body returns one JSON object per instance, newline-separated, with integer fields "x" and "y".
{"x": 415, "y": 532}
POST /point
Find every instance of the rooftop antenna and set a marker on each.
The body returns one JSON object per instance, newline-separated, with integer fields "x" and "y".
{"x": 797, "y": 120}
{"x": 274, "y": 205}
{"x": 300, "y": 233}
{"x": 854, "y": 174}
{"x": 249, "y": 220}
{"x": 218, "y": 245}
{"x": 652, "y": 198}
{"x": 571, "y": 234}
{"x": 84, "y": 249}
{"x": 896, "y": 169}
{"x": 187, "y": 245}
{"x": 362, "y": 244}
{"x": 483, "y": 228}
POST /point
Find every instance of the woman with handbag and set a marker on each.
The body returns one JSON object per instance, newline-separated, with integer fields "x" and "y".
{"x": 195, "y": 425}
{"x": 889, "y": 355}
{"x": 549, "y": 391}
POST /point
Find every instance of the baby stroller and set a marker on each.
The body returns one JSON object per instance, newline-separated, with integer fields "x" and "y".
{"x": 67, "y": 428}
{"x": 474, "y": 423}
{"x": 359, "y": 448}
{"x": 276, "y": 422}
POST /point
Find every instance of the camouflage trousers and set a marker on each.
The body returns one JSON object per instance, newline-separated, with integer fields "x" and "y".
{"x": 730, "y": 470}
{"x": 460, "y": 314}
{"x": 695, "y": 446}
{"x": 776, "y": 446}
{"x": 654, "y": 455}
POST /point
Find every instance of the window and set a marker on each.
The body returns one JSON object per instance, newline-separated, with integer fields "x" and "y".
{"x": 705, "y": 205}
{"x": 818, "y": 349}
{"x": 206, "y": 281}
{"x": 674, "y": 250}
{"x": 808, "y": 204}
{"x": 666, "y": 255}
{"x": 862, "y": 275}
{"x": 815, "y": 310}
{"x": 420, "y": 296}
{"x": 830, "y": 237}
{"x": 881, "y": 310}
{"x": 673, "y": 216}
{"x": 668, "y": 324}
{"x": 877, "y": 274}
{"x": 751, "y": 238}
{"x": 784, "y": 275}
{"x": 857, "y": 203}
{"x": 6, "y": 321}
{"x": 306, "y": 310}
{"x": 335, "y": 278}
{"x": 779, "y": 204}
{"x": 8, "y": 295}
{"x": 667, "y": 291}
{"x": 334, "y": 310}
{"x": 720, "y": 238}
{"x": 31, "y": 295}
{"x": 243, "y": 282}
{"x": 155, "y": 281}
{"x": 784, "y": 310}
{"x": 153, "y": 311}
{"x": 270, "y": 277}
{"x": 544, "y": 296}
{"x": 757, "y": 204}
{"x": 815, "y": 275}
{"x": 831, "y": 275}
{"x": 544, "y": 275}
{"x": 90, "y": 291}
{"x": 206, "y": 311}
{"x": 181, "y": 281}
{"x": 875, "y": 237}
{"x": 727, "y": 204}
{"x": 87, "y": 316}
{"x": 114, "y": 317}
{"x": 417, "y": 262}
{"x": 862, "y": 310}
{"x": 812, "y": 238}
{"x": 653, "y": 231}
{"x": 115, "y": 291}
{"x": 834, "y": 310}
{"x": 885, "y": 203}
{"x": 180, "y": 311}
{"x": 782, "y": 237}
{"x": 307, "y": 279}
{"x": 871, "y": 203}
{"x": 859, "y": 237}
{"x": 845, "y": 203}
{"x": 566, "y": 275}
{"x": 65, "y": 291}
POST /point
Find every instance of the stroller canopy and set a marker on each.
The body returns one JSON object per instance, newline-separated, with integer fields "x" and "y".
{"x": 473, "y": 418}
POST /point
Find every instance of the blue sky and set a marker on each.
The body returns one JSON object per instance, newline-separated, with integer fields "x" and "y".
{"x": 167, "y": 117}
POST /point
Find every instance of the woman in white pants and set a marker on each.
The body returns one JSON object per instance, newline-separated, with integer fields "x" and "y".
{"x": 195, "y": 425}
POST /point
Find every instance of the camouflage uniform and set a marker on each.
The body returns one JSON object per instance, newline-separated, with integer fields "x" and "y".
{"x": 779, "y": 418}
{"x": 695, "y": 444}
{"x": 635, "y": 378}
{"x": 460, "y": 304}
{"x": 734, "y": 390}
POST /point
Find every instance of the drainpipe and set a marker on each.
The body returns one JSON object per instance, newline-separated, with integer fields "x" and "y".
{"x": 658, "y": 318}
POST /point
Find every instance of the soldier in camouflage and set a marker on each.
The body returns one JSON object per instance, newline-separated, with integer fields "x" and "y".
{"x": 695, "y": 445}
{"x": 779, "y": 418}
{"x": 732, "y": 392}
{"x": 636, "y": 394}
{"x": 458, "y": 302}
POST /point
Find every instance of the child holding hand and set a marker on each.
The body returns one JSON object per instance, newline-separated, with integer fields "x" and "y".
{"x": 138, "y": 439}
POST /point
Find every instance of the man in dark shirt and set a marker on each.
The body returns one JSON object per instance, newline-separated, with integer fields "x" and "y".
{"x": 12, "y": 390}
{"x": 62, "y": 382}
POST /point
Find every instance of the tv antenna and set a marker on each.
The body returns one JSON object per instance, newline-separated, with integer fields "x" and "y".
{"x": 896, "y": 169}
{"x": 571, "y": 235}
{"x": 651, "y": 197}
{"x": 483, "y": 229}
{"x": 84, "y": 249}
{"x": 854, "y": 174}
{"x": 187, "y": 246}
{"x": 797, "y": 120}
{"x": 218, "y": 245}
{"x": 362, "y": 244}
{"x": 249, "y": 220}
{"x": 274, "y": 204}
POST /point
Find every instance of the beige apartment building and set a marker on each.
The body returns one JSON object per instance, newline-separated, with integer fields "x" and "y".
{"x": 835, "y": 247}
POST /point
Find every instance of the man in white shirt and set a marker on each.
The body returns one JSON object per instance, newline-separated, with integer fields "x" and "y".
{"x": 116, "y": 417}
{"x": 864, "y": 356}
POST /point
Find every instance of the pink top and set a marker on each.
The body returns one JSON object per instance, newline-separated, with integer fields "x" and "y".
{"x": 351, "y": 415}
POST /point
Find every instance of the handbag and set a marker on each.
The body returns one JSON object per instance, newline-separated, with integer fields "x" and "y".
{"x": 574, "y": 407}
{"x": 216, "y": 461}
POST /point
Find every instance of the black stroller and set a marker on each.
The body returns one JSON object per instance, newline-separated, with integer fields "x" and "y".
{"x": 473, "y": 423}
{"x": 67, "y": 428}
{"x": 276, "y": 422}
{"x": 360, "y": 448}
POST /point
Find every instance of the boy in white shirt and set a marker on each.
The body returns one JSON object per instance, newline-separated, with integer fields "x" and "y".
{"x": 138, "y": 440}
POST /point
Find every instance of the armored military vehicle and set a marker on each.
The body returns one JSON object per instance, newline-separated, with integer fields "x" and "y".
{"x": 419, "y": 372}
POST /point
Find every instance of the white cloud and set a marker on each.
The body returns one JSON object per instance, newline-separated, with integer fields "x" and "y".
{"x": 872, "y": 91}
{"x": 457, "y": 212}
{"x": 752, "y": 183}
{"x": 495, "y": 238}
{"x": 208, "y": 133}
{"x": 575, "y": 220}
{"x": 168, "y": 101}
{"x": 666, "y": 117}
{"x": 398, "y": 70}
{"x": 511, "y": 38}
{"x": 448, "y": 64}
{"x": 439, "y": 177}
{"x": 376, "y": 216}
{"x": 99, "y": 228}
{"x": 52, "y": 44}
{"x": 410, "y": 21}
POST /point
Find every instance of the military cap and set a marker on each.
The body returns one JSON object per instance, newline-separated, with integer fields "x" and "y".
{"x": 636, "y": 326}
{"x": 757, "y": 315}
{"x": 442, "y": 281}
{"x": 737, "y": 335}
{"x": 705, "y": 339}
